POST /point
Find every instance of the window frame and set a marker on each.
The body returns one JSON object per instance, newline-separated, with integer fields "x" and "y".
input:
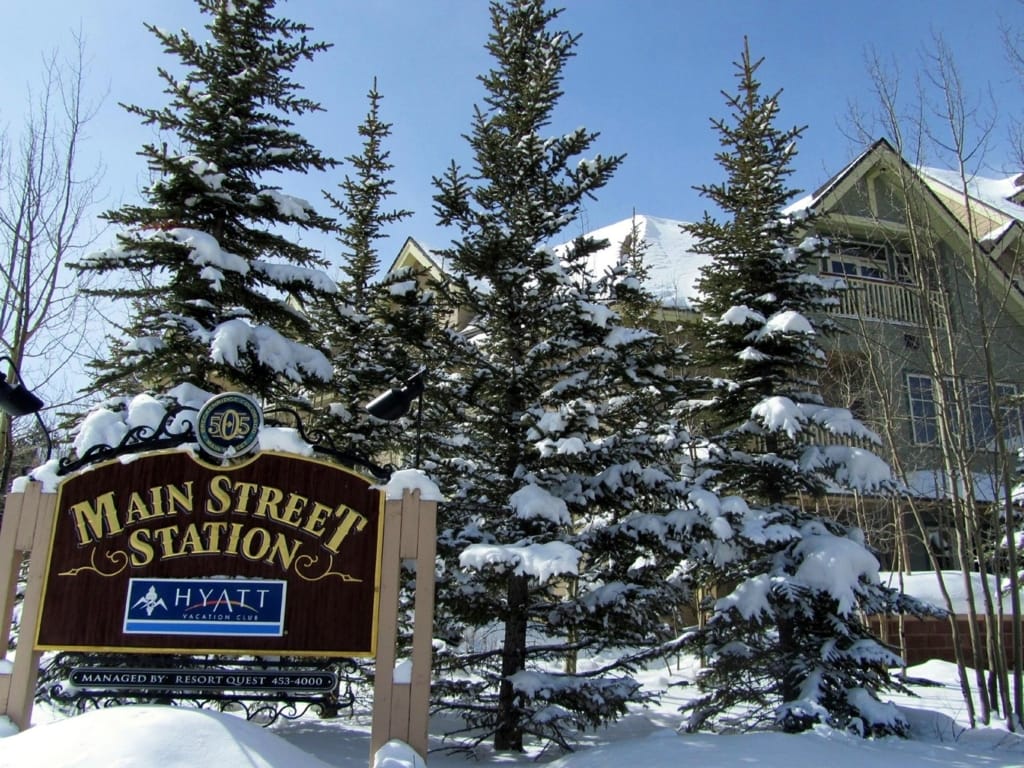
{"x": 974, "y": 393}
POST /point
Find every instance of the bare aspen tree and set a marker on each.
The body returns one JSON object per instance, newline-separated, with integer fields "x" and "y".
{"x": 962, "y": 306}
{"x": 45, "y": 200}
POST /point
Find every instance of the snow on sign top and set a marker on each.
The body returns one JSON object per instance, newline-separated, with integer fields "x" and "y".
{"x": 412, "y": 480}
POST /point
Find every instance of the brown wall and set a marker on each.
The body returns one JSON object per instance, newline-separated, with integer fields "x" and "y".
{"x": 933, "y": 639}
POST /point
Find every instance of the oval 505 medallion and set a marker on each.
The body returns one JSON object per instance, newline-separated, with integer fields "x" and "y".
{"x": 229, "y": 425}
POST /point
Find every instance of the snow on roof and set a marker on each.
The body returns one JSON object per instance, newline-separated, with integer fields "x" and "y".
{"x": 993, "y": 193}
{"x": 673, "y": 268}
{"x": 935, "y": 484}
{"x": 924, "y": 585}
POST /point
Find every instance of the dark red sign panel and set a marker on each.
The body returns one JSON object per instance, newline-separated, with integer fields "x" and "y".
{"x": 275, "y": 555}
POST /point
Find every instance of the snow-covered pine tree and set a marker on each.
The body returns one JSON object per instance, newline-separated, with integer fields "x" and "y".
{"x": 786, "y": 641}
{"x": 376, "y": 330}
{"x": 214, "y": 280}
{"x": 553, "y": 444}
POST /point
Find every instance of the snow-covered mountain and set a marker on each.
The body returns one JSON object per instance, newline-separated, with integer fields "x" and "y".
{"x": 673, "y": 269}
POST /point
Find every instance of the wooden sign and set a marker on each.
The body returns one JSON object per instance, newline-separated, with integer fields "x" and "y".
{"x": 278, "y": 555}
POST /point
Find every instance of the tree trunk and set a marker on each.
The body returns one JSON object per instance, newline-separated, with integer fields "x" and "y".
{"x": 508, "y": 736}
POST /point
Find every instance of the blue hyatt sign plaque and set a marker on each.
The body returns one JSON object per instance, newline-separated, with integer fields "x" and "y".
{"x": 211, "y": 606}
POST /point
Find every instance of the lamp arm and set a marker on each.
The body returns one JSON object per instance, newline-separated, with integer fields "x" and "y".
{"x": 46, "y": 434}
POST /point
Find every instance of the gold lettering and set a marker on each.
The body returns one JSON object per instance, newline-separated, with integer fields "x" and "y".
{"x": 251, "y": 550}
{"x": 166, "y": 536}
{"x": 315, "y": 521}
{"x": 232, "y": 545}
{"x": 137, "y": 510}
{"x": 220, "y": 491}
{"x": 245, "y": 493}
{"x": 142, "y": 551}
{"x": 292, "y": 512}
{"x": 213, "y": 532}
{"x": 179, "y": 499}
{"x": 156, "y": 501}
{"x": 95, "y": 522}
{"x": 351, "y": 519}
{"x": 283, "y": 552}
{"x": 191, "y": 542}
{"x": 270, "y": 497}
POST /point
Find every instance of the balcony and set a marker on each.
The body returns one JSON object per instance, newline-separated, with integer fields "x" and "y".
{"x": 883, "y": 301}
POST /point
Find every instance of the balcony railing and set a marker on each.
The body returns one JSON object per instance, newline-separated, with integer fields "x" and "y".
{"x": 883, "y": 301}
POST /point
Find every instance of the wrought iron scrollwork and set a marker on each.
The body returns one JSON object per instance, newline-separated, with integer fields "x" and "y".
{"x": 264, "y": 708}
{"x": 174, "y": 431}
{"x": 138, "y": 439}
{"x": 323, "y": 443}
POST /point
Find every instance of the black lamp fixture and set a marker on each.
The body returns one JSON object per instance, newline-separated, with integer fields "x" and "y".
{"x": 18, "y": 400}
{"x": 395, "y": 403}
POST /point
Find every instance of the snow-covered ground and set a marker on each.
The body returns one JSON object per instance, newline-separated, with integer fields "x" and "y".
{"x": 162, "y": 737}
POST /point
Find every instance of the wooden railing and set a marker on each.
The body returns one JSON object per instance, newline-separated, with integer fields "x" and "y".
{"x": 881, "y": 300}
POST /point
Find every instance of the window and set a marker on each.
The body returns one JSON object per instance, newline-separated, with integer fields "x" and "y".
{"x": 866, "y": 260}
{"x": 922, "y": 409}
{"x": 974, "y": 394}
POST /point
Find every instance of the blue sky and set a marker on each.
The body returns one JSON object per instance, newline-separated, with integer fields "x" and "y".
{"x": 647, "y": 75}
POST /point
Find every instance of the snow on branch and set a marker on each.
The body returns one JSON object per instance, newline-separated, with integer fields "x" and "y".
{"x": 235, "y": 337}
{"x": 288, "y": 275}
{"x": 541, "y": 561}
{"x": 532, "y": 502}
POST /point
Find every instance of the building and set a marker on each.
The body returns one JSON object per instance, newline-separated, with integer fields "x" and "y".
{"x": 933, "y": 334}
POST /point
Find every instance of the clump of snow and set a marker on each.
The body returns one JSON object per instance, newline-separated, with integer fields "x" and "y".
{"x": 786, "y": 322}
{"x": 169, "y": 737}
{"x": 857, "y": 468}
{"x": 100, "y": 427}
{"x": 834, "y": 564}
{"x": 284, "y": 440}
{"x": 740, "y": 315}
{"x": 750, "y": 598}
{"x": 289, "y": 274}
{"x": 280, "y": 354}
{"x": 288, "y": 205}
{"x": 403, "y": 672}
{"x": 145, "y": 411}
{"x": 398, "y": 754}
{"x": 45, "y": 474}
{"x": 189, "y": 395}
{"x": 207, "y": 253}
{"x": 779, "y": 414}
{"x": 541, "y": 561}
{"x": 533, "y": 502}
{"x": 411, "y": 480}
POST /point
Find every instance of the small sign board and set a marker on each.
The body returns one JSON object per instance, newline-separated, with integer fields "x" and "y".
{"x": 248, "y": 680}
{"x": 218, "y": 607}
